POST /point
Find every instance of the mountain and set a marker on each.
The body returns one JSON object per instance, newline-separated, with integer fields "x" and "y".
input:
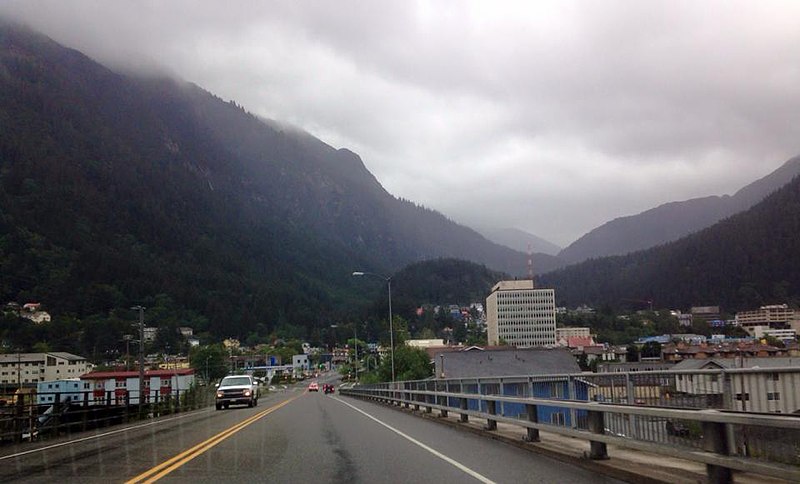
{"x": 672, "y": 221}
{"x": 520, "y": 240}
{"x": 117, "y": 190}
{"x": 742, "y": 262}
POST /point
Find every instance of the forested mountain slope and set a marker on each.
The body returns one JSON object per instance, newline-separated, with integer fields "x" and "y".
{"x": 115, "y": 189}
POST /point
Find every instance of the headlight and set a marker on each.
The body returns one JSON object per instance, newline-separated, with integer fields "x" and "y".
{"x": 219, "y": 395}
{"x": 247, "y": 393}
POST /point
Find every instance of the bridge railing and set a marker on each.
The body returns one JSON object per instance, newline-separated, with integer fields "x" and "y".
{"x": 31, "y": 415}
{"x": 658, "y": 412}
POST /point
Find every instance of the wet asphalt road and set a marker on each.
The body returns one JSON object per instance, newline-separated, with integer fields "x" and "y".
{"x": 312, "y": 438}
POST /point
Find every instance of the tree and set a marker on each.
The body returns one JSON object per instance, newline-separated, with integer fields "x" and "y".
{"x": 409, "y": 363}
{"x": 651, "y": 349}
{"x": 633, "y": 353}
{"x": 210, "y": 361}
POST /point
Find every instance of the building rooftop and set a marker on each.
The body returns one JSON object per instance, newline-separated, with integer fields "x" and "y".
{"x": 506, "y": 362}
{"x": 104, "y": 375}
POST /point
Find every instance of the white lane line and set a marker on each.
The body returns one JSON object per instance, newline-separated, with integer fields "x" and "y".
{"x": 84, "y": 439}
{"x": 433, "y": 451}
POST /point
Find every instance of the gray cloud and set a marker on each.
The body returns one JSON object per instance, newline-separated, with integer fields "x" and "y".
{"x": 552, "y": 117}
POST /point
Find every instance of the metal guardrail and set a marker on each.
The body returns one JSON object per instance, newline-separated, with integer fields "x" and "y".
{"x": 31, "y": 416}
{"x": 590, "y": 407}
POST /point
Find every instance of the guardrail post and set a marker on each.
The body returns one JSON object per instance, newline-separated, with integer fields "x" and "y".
{"x": 85, "y": 410}
{"x": 127, "y": 406}
{"x": 464, "y": 417}
{"x": 19, "y": 417}
{"x": 491, "y": 406}
{"x": 533, "y": 416}
{"x": 630, "y": 397}
{"x": 714, "y": 440}
{"x": 57, "y": 409}
{"x": 597, "y": 450}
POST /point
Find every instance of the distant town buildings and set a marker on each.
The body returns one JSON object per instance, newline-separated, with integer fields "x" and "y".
{"x": 707, "y": 313}
{"x": 776, "y": 320}
{"x": 31, "y": 368}
{"x": 521, "y": 315}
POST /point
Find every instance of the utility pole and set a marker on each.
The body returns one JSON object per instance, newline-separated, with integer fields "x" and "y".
{"x": 355, "y": 343}
{"x": 141, "y": 352}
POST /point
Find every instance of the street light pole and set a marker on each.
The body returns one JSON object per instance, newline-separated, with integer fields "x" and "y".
{"x": 355, "y": 344}
{"x": 141, "y": 352}
{"x": 391, "y": 325}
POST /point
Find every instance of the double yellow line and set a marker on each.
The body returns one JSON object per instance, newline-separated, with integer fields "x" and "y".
{"x": 170, "y": 465}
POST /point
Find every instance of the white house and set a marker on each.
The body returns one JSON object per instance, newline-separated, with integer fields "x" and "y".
{"x": 158, "y": 384}
{"x": 69, "y": 390}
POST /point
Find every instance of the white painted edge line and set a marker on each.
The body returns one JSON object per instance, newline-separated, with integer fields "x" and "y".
{"x": 92, "y": 437}
{"x": 433, "y": 451}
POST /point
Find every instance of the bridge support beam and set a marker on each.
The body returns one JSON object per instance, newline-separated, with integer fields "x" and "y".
{"x": 714, "y": 440}
{"x": 597, "y": 450}
{"x": 533, "y": 416}
{"x": 491, "y": 424}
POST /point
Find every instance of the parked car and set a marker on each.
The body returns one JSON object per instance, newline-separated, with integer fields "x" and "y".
{"x": 237, "y": 389}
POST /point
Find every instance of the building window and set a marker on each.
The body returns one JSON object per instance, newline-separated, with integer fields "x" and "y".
{"x": 746, "y": 397}
{"x": 775, "y": 377}
{"x": 120, "y": 384}
{"x": 773, "y": 396}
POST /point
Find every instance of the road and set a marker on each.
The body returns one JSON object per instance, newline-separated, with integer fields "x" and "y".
{"x": 292, "y": 436}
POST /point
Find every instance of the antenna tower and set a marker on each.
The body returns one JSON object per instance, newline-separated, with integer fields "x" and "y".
{"x": 530, "y": 262}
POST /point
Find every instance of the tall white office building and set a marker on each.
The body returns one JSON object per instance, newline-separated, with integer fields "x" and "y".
{"x": 521, "y": 315}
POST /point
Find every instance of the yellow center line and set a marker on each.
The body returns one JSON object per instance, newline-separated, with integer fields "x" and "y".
{"x": 169, "y": 465}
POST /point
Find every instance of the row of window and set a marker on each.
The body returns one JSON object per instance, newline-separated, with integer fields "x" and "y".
{"x": 123, "y": 383}
{"x": 715, "y": 378}
{"x": 772, "y": 396}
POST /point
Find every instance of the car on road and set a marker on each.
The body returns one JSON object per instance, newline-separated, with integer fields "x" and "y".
{"x": 313, "y": 386}
{"x": 326, "y": 388}
{"x": 237, "y": 390}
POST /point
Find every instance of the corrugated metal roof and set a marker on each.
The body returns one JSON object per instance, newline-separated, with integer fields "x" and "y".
{"x": 511, "y": 362}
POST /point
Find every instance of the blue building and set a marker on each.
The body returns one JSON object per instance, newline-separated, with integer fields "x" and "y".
{"x": 529, "y": 372}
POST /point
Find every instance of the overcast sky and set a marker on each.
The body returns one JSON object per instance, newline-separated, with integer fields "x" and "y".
{"x": 551, "y": 117}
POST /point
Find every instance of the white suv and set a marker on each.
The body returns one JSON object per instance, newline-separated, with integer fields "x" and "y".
{"x": 237, "y": 389}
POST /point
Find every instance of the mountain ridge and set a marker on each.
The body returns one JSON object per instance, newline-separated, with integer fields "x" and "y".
{"x": 742, "y": 262}
{"x": 673, "y": 220}
{"x": 118, "y": 189}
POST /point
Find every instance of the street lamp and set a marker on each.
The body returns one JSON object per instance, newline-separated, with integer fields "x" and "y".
{"x": 391, "y": 330}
